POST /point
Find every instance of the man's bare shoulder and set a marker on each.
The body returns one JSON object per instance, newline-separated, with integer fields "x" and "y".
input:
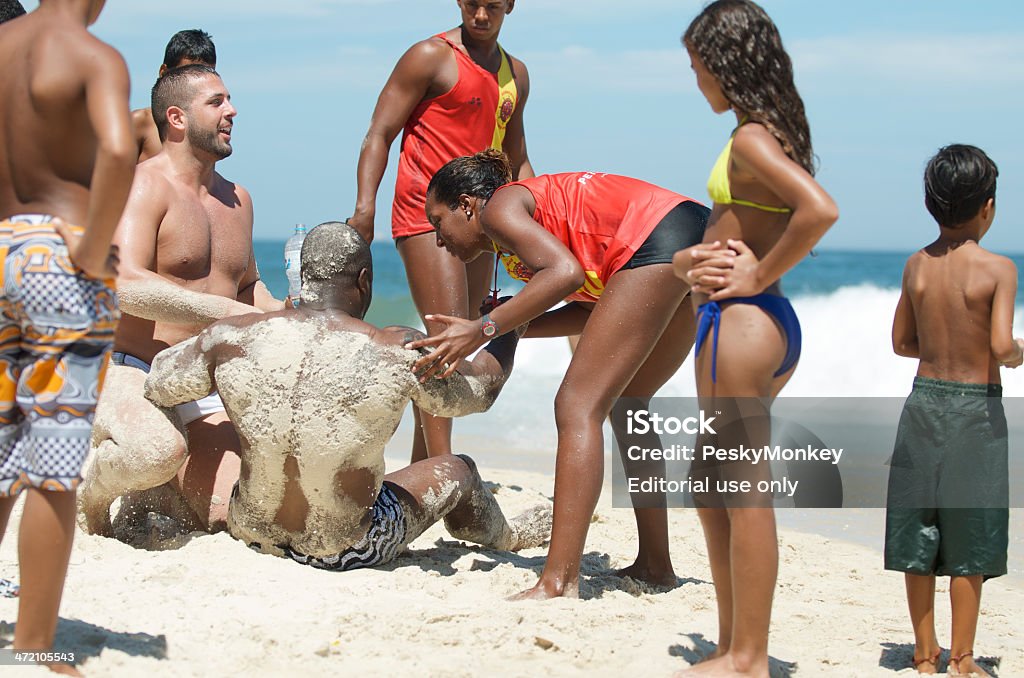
{"x": 425, "y": 58}
{"x": 63, "y": 57}
{"x": 153, "y": 177}
{"x": 87, "y": 53}
{"x": 231, "y": 191}
{"x": 142, "y": 121}
{"x": 518, "y": 67}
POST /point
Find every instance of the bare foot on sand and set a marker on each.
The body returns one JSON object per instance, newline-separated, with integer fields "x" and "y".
{"x": 655, "y": 577}
{"x": 726, "y": 666}
{"x": 543, "y": 590}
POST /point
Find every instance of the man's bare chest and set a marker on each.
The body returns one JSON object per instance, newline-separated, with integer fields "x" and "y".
{"x": 200, "y": 239}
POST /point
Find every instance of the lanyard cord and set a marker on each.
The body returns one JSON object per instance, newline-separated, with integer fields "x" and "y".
{"x": 497, "y": 262}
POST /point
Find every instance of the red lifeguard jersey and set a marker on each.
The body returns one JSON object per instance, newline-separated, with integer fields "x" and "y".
{"x": 602, "y": 218}
{"x": 467, "y": 119}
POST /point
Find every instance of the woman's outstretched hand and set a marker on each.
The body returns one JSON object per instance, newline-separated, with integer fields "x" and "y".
{"x": 459, "y": 338}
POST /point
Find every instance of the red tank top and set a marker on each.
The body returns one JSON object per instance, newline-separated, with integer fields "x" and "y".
{"x": 602, "y": 218}
{"x": 467, "y": 119}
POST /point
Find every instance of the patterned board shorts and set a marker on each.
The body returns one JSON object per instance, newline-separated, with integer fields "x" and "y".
{"x": 382, "y": 543}
{"x": 56, "y": 330}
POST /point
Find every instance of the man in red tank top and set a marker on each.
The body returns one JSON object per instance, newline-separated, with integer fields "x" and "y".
{"x": 454, "y": 94}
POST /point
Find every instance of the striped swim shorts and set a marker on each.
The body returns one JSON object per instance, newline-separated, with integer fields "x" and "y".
{"x": 383, "y": 541}
{"x": 56, "y": 330}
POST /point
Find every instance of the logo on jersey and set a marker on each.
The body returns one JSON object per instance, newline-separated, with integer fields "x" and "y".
{"x": 508, "y": 106}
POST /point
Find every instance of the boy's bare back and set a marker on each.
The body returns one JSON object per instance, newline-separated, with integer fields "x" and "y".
{"x": 958, "y": 293}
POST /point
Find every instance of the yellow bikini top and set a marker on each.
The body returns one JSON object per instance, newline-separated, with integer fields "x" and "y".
{"x": 718, "y": 182}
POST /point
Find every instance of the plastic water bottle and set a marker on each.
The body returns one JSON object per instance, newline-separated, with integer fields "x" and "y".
{"x": 292, "y": 263}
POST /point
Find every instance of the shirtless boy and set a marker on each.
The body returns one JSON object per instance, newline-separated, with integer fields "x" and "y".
{"x": 185, "y": 47}
{"x": 66, "y": 157}
{"x": 186, "y": 261}
{"x": 316, "y": 393}
{"x": 947, "y": 509}
{"x": 453, "y": 94}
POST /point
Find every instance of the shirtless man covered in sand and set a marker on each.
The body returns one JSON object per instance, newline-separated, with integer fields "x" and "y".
{"x": 66, "y": 158}
{"x": 316, "y": 393}
{"x": 186, "y": 261}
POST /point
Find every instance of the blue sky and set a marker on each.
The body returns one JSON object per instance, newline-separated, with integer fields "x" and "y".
{"x": 885, "y": 84}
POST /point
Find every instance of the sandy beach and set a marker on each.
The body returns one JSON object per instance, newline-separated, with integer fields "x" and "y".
{"x": 213, "y": 607}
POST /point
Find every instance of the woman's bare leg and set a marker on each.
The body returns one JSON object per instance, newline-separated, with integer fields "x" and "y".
{"x": 741, "y": 537}
{"x": 620, "y": 335}
{"x": 653, "y": 563}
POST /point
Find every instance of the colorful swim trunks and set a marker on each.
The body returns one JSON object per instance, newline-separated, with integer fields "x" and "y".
{"x": 382, "y": 543}
{"x": 56, "y": 330}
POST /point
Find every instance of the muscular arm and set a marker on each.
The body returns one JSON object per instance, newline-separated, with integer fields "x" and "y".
{"x": 904, "y": 324}
{"x": 144, "y": 293}
{"x": 508, "y": 221}
{"x": 106, "y": 98}
{"x": 557, "y": 273}
{"x": 181, "y": 373}
{"x": 515, "y": 134}
{"x": 1005, "y": 348}
{"x": 408, "y": 85}
{"x": 473, "y": 387}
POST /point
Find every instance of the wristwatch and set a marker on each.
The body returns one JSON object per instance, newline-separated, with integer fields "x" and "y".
{"x": 488, "y": 326}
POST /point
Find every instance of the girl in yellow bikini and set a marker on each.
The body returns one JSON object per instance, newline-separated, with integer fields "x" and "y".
{"x": 768, "y": 213}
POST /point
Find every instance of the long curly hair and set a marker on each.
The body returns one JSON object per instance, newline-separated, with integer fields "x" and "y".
{"x": 739, "y": 44}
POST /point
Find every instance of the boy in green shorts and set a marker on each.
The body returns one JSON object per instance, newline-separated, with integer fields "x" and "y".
{"x": 947, "y": 511}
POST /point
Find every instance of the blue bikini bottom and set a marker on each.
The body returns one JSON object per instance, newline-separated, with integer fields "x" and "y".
{"x": 709, "y": 317}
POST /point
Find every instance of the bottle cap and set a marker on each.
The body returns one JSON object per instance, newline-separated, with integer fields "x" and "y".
{"x": 300, "y": 228}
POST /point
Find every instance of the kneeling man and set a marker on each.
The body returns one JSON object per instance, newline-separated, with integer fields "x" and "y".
{"x": 315, "y": 393}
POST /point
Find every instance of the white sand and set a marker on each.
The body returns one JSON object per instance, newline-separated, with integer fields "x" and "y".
{"x": 213, "y": 607}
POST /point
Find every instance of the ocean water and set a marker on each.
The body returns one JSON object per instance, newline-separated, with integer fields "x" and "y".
{"x": 845, "y": 302}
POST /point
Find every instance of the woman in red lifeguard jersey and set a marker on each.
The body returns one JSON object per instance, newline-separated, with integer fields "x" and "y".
{"x": 605, "y": 243}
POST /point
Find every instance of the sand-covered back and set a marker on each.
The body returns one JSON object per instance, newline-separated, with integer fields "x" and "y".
{"x": 213, "y": 607}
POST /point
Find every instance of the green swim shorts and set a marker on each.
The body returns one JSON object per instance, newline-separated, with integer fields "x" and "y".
{"x": 947, "y": 511}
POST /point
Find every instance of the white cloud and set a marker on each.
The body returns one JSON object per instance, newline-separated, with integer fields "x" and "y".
{"x": 911, "y": 61}
{"x": 221, "y": 8}
{"x": 574, "y": 68}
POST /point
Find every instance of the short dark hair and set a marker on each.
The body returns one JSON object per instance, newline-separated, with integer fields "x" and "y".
{"x": 478, "y": 175}
{"x": 334, "y": 249}
{"x": 174, "y": 88}
{"x": 958, "y": 182}
{"x": 10, "y": 9}
{"x": 194, "y": 45}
